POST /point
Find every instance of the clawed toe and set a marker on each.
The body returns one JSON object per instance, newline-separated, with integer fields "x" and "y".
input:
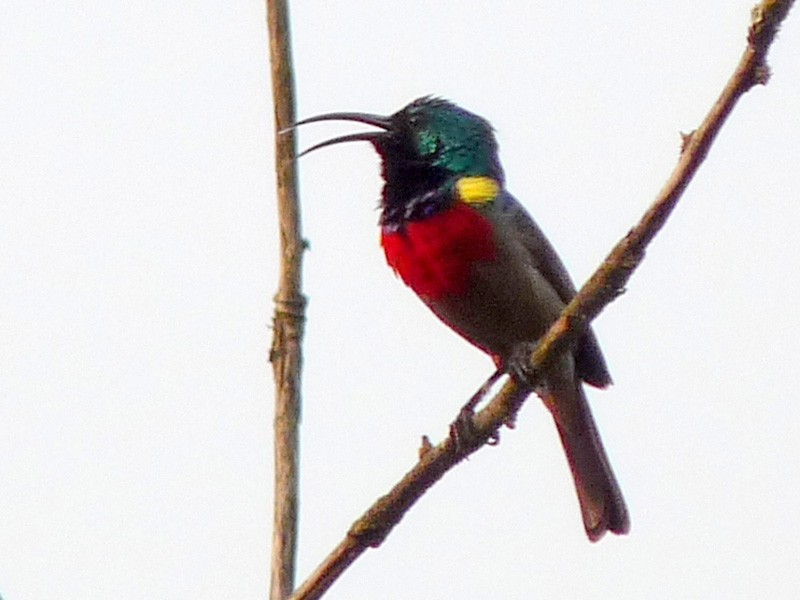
{"x": 462, "y": 430}
{"x": 519, "y": 365}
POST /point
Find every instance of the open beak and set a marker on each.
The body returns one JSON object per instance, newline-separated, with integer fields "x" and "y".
{"x": 385, "y": 123}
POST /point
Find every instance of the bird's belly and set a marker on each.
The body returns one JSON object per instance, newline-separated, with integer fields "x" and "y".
{"x": 481, "y": 285}
{"x": 505, "y": 304}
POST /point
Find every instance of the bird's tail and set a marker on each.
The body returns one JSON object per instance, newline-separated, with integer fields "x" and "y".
{"x": 600, "y": 498}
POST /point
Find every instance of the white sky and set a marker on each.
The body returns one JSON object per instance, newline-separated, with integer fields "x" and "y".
{"x": 138, "y": 265}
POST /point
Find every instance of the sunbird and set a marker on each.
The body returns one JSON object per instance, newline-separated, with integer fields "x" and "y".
{"x": 472, "y": 253}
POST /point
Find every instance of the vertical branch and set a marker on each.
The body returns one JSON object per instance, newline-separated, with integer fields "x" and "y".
{"x": 285, "y": 354}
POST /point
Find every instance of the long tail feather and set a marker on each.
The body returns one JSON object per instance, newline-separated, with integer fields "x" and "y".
{"x": 599, "y": 495}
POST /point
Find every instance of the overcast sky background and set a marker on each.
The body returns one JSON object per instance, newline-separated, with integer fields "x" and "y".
{"x": 138, "y": 263}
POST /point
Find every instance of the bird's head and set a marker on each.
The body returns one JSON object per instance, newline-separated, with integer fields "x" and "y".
{"x": 426, "y": 148}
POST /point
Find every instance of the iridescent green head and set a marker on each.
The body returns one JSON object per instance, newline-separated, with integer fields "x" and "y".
{"x": 426, "y": 147}
{"x": 444, "y": 136}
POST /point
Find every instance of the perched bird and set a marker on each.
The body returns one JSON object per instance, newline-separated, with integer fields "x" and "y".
{"x": 472, "y": 253}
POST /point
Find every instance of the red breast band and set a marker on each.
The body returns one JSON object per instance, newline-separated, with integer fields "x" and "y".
{"x": 434, "y": 256}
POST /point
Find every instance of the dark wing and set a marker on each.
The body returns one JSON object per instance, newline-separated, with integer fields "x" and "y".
{"x": 590, "y": 364}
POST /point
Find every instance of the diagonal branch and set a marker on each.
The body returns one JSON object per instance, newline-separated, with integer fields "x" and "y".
{"x": 285, "y": 354}
{"x": 606, "y": 284}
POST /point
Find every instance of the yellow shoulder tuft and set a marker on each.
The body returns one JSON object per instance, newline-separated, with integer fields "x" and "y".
{"x": 477, "y": 190}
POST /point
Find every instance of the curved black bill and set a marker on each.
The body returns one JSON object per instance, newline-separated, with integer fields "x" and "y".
{"x": 376, "y": 120}
{"x": 366, "y": 136}
{"x": 384, "y": 123}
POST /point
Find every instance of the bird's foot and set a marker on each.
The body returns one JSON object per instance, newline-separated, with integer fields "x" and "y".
{"x": 519, "y": 365}
{"x": 462, "y": 430}
{"x": 464, "y": 434}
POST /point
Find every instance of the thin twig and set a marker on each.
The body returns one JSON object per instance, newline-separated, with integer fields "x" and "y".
{"x": 285, "y": 354}
{"x": 606, "y": 284}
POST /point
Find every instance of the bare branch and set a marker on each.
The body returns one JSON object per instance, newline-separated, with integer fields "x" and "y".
{"x": 606, "y": 284}
{"x": 285, "y": 354}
